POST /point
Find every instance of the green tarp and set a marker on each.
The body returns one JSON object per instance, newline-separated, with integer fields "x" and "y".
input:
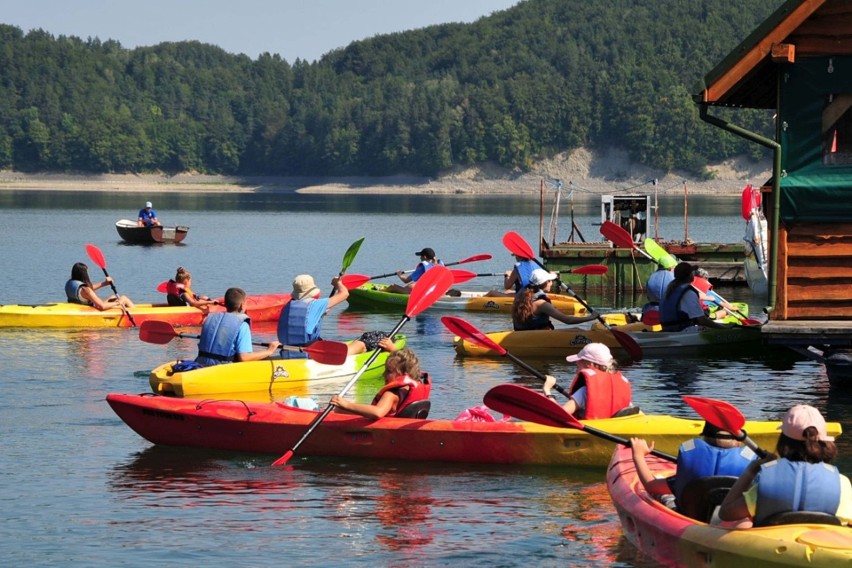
{"x": 810, "y": 189}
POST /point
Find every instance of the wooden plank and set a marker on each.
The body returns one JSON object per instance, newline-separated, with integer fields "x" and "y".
{"x": 818, "y": 290}
{"x": 820, "y": 249}
{"x": 819, "y": 312}
{"x": 839, "y": 229}
{"x": 781, "y": 276}
{"x": 819, "y": 271}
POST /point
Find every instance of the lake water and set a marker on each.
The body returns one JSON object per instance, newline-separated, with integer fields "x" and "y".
{"x": 80, "y": 488}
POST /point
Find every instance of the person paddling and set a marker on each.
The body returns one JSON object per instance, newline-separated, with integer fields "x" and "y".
{"x": 427, "y": 261}
{"x": 79, "y": 289}
{"x": 532, "y": 308}
{"x": 681, "y": 307}
{"x": 179, "y": 291}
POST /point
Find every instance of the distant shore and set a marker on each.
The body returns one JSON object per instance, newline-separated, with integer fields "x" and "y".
{"x": 579, "y": 171}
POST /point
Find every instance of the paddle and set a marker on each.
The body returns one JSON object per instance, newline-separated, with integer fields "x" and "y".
{"x": 325, "y": 352}
{"x": 703, "y": 285}
{"x": 526, "y": 404}
{"x": 349, "y": 255}
{"x": 621, "y": 238}
{"x": 519, "y": 247}
{"x": 725, "y": 416}
{"x": 466, "y": 330}
{"x": 474, "y": 258}
{"x": 459, "y": 277}
{"x": 432, "y": 285}
{"x": 98, "y": 258}
{"x": 588, "y": 270}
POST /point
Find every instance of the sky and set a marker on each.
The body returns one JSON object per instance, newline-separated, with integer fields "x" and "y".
{"x": 305, "y": 29}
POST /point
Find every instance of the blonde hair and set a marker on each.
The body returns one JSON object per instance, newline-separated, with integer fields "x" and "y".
{"x": 403, "y": 362}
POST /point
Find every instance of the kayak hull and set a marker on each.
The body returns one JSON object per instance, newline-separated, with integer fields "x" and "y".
{"x": 374, "y": 295}
{"x": 259, "y": 307}
{"x": 675, "y": 540}
{"x": 273, "y": 427}
{"x": 268, "y": 379}
{"x": 705, "y": 340}
{"x": 544, "y": 343}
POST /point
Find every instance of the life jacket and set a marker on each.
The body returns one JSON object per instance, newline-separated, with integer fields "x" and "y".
{"x": 417, "y": 390}
{"x": 174, "y": 291}
{"x": 606, "y": 393}
{"x": 72, "y": 292}
{"x": 427, "y": 265}
{"x": 656, "y": 286}
{"x": 785, "y": 485}
{"x": 672, "y": 317}
{"x": 536, "y": 321}
{"x": 696, "y": 458}
{"x": 218, "y": 335}
{"x": 292, "y": 327}
{"x": 525, "y": 269}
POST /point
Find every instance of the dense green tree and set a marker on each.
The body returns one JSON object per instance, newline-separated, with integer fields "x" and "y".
{"x": 543, "y": 77}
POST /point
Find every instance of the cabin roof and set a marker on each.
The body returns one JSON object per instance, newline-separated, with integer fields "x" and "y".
{"x": 748, "y": 76}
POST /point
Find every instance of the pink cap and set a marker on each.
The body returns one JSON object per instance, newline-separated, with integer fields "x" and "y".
{"x": 593, "y": 353}
{"x": 800, "y": 417}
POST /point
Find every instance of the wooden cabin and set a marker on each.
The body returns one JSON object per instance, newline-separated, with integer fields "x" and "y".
{"x": 798, "y": 63}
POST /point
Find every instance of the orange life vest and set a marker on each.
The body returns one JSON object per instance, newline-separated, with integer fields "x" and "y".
{"x": 417, "y": 390}
{"x": 606, "y": 393}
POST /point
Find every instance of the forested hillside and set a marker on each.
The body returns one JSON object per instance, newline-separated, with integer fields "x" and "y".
{"x": 543, "y": 77}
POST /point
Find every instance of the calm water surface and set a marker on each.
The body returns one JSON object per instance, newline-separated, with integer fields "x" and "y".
{"x": 80, "y": 488}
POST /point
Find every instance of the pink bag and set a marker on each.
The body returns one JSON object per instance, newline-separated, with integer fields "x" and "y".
{"x": 477, "y": 414}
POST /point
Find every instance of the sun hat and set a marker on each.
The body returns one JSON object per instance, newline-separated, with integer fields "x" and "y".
{"x": 427, "y": 252}
{"x": 593, "y": 353}
{"x": 668, "y": 262}
{"x": 539, "y": 276}
{"x": 148, "y": 205}
{"x": 303, "y": 285}
{"x": 801, "y": 417}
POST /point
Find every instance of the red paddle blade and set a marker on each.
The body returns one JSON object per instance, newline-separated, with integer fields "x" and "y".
{"x": 354, "y": 280}
{"x": 526, "y": 404}
{"x": 466, "y": 330}
{"x": 163, "y": 287}
{"x": 328, "y": 352}
{"x": 718, "y": 413}
{"x": 283, "y": 459}
{"x": 96, "y": 255}
{"x": 591, "y": 270}
{"x": 432, "y": 285}
{"x": 517, "y": 245}
{"x": 461, "y": 276}
{"x": 617, "y": 235}
{"x": 474, "y": 258}
{"x": 702, "y": 284}
{"x": 158, "y": 332}
{"x": 628, "y": 344}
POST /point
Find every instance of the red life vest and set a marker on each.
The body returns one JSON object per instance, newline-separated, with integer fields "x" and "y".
{"x": 606, "y": 393}
{"x": 417, "y": 390}
{"x": 173, "y": 293}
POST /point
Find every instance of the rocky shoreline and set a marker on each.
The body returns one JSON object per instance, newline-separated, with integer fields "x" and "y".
{"x": 580, "y": 171}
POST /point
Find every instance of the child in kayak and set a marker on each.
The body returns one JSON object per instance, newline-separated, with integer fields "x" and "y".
{"x": 798, "y": 478}
{"x": 79, "y": 289}
{"x": 179, "y": 291}
{"x": 716, "y": 452}
{"x": 598, "y": 389}
{"x": 404, "y": 385}
{"x": 532, "y": 308}
{"x": 427, "y": 261}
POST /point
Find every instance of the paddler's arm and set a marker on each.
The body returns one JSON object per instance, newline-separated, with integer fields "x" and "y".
{"x": 653, "y": 485}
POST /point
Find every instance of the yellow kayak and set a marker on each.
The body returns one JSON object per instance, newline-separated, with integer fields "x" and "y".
{"x": 265, "y": 379}
{"x": 545, "y": 343}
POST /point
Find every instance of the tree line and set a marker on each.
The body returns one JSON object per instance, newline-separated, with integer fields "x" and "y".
{"x": 542, "y": 77}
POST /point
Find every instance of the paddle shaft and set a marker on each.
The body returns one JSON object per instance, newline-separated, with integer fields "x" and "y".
{"x": 258, "y": 343}
{"x": 321, "y": 416}
{"x": 98, "y": 258}
{"x": 474, "y": 258}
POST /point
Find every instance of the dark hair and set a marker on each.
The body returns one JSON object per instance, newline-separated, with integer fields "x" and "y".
{"x": 522, "y": 306}
{"x": 683, "y": 274}
{"x": 81, "y": 272}
{"x": 811, "y": 449}
{"x": 233, "y": 298}
{"x": 182, "y": 275}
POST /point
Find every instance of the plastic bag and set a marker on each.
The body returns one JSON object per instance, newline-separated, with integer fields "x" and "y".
{"x": 477, "y": 414}
{"x": 302, "y": 402}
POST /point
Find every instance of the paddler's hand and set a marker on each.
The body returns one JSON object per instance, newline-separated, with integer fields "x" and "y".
{"x": 640, "y": 447}
{"x": 549, "y": 383}
{"x": 338, "y": 402}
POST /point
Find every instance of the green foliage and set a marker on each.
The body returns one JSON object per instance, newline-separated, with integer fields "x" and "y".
{"x": 543, "y": 77}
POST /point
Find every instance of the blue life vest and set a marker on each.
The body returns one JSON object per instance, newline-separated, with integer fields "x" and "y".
{"x": 292, "y": 328}
{"x": 784, "y": 485}
{"x": 525, "y": 269}
{"x": 72, "y": 292}
{"x": 696, "y": 458}
{"x": 218, "y": 338}
{"x": 672, "y": 317}
{"x": 657, "y": 284}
